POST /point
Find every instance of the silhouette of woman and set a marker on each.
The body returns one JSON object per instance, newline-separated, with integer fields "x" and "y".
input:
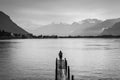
{"x": 60, "y": 55}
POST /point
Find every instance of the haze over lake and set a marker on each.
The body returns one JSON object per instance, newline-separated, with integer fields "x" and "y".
{"x": 34, "y": 59}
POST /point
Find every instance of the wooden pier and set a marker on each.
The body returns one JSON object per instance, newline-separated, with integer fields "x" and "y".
{"x": 62, "y": 70}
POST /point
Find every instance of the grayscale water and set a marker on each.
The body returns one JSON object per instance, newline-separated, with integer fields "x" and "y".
{"x": 34, "y": 59}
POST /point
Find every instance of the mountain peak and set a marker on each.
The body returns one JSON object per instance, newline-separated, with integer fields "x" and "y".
{"x": 91, "y": 21}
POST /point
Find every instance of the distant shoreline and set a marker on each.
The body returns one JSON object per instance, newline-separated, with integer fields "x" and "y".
{"x": 63, "y": 37}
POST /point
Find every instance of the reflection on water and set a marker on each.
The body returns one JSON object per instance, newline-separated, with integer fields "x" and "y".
{"x": 35, "y": 59}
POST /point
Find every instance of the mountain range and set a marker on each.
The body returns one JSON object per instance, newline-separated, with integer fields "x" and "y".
{"x": 87, "y": 27}
{"x": 63, "y": 29}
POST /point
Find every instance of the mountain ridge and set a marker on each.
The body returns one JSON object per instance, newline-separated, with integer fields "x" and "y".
{"x": 114, "y": 30}
{"x": 8, "y": 25}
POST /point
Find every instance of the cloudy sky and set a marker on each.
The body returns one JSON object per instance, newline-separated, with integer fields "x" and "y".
{"x": 34, "y": 13}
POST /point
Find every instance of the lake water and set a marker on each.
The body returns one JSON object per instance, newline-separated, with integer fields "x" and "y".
{"x": 34, "y": 59}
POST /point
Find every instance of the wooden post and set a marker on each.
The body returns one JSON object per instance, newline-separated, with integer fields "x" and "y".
{"x": 66, "y": 64}
{"x": 72, "y": 77}
{"x": 68, "y": 73}
{"x": 56, "y": 70}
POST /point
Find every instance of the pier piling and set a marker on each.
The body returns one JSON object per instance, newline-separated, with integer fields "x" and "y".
{"x": 62, "y": 71}
{"x": 72, "y": 78}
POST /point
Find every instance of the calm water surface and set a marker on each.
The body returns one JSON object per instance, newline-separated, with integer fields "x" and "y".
{"x": 34, "y": 59}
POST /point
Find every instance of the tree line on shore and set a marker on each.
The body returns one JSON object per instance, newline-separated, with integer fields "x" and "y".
{"x": 9, "y": 35}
